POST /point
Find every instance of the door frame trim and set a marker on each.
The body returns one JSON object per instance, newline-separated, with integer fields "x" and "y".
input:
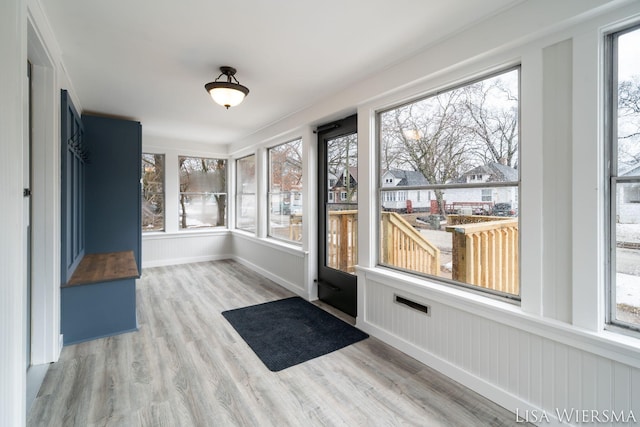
{"x": 45, "y": 342}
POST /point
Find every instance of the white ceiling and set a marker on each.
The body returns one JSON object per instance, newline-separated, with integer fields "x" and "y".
{"x": 149, "y": 59}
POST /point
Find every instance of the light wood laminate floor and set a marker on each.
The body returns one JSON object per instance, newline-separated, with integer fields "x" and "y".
{"x": 187, "y": 366}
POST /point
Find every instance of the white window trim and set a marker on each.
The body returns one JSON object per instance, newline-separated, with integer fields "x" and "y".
{"x": 164, "y": 192}
{"x": 611, "y": 175}
{"x": 374, "y": 113}
{"x": 229, "y": 195}
{"x": 268, "y": 192}
{"x": 241, "y": 193}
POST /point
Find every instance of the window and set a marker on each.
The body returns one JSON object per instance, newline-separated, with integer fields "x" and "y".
{"x": 624, "y": 177}
{"x": 285, "y": 191}
{"x": 440, "y": 144}
{"x": 246, "y": 193}
{"x": 343, "y": 195}
{"x": 152, "y": 192}
{"x": 203, "y": 192}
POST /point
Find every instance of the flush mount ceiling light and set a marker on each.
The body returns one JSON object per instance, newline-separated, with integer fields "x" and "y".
{"x": 227, "y": 93}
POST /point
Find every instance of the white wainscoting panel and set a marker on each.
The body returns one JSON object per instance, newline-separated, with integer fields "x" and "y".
{"x": 283, "y": 263}
{"x": 518, "y": 369}
{"x": 160, "y": 249}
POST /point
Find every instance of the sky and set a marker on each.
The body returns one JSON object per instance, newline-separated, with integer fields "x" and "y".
{"x": 629, "y": 55}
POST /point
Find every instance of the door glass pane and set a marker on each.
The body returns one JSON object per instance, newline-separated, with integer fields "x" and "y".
{"x": 342, "y": 203}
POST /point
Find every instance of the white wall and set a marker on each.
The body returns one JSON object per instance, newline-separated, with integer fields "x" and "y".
{"x": 174, "y": 246}
{"x": 47, "y": 79}
{"x": 13, "y": 68}
{"x": 552, "y": 350}
{"x": 292, "y": 265}
{"x": 181, "y": 248}
{"x": 521, "y": 362}
{"x": 26, "y": 35}
{"x": 561, "y": 205}
{"x": 284, "y": 264}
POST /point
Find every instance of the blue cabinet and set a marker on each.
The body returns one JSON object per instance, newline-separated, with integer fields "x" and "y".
{"x": 101, "y": 215}
{"x": 97, "y": 310}
{"x": 112, "y": 191}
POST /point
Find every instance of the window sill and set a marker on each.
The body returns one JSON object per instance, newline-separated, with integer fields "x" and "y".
{"x": 158, "y": 235}
{"x": 444, "y": 293}
{"x": 619, "y": 347}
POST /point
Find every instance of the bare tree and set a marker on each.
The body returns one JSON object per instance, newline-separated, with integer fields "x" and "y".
{"x": 286, "y": 165}
{"x": 492, "y": 110}
{"x": 221, "y": 196}
{"x": 185, "y": 178}
{"x": 342, "y": 156}
{"x": 629, "y": 121}
{"x": 428, "y": 137}
{"x": 217, "y": 170}
{"x": 153, "y": 191}
{"x": 629, "y": 96}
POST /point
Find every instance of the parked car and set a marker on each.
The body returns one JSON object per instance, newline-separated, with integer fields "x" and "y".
{"x": 502, "y": 209}
{"x": 480, "y": 211}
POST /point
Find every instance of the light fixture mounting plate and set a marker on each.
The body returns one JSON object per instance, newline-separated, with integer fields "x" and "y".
{"x": 228, "y": 71}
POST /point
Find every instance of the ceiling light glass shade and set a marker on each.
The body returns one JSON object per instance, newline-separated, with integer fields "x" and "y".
{"x": 227, "y": 93}
{"x": 227, "y": 97}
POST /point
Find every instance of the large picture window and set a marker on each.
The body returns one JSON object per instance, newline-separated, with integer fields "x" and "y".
{"x": 624, "y": 173}
{"x": 152, "y": 192}
{"x": 246, "y": 193}
{"x": 285, "y": 191}
{"x": 203, "y": 192}
{"x": 449, "y": 181}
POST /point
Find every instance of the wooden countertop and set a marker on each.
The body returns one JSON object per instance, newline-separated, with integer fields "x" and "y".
{"x": 104, "y": 267}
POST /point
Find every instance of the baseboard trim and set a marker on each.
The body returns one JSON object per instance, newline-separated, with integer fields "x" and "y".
{"x": 480, "y": 386}
{"x": 97, "y": 337}
{"x": 35, "y": 378}
{"x": 60, "y": 345}
{"x": 187, "y": 260}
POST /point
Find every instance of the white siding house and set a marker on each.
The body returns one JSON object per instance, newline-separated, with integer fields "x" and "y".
{"x": 482, "y": 200}
{"x": 456, "y": 200}
{"x": 401, "y": 199}
{"x": 628, "y": 196}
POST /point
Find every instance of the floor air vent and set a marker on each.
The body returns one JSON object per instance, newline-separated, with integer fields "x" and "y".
{"x": 412, "y": 304}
